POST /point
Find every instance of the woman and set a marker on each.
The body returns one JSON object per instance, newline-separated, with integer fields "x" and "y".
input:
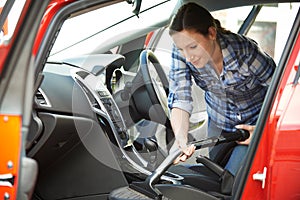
{"x": 232, "y": 70}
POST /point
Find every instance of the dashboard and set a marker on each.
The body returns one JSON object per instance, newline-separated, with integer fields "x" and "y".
{"x": 77, "y": 127}
{"x": 76, "y": 89}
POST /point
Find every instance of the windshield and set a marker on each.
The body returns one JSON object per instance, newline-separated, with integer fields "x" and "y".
{"x": 78, "y": 37}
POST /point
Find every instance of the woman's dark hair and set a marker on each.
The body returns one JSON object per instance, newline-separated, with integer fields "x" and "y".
{"x": 194, "y": 17}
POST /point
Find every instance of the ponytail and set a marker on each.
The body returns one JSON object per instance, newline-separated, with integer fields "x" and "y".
{"x": 219, "y": 28}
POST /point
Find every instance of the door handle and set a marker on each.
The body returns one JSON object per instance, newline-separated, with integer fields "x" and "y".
{"x": 261, "y": 177}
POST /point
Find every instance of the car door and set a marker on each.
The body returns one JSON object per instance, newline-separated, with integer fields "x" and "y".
{"x": 274, "y": 170}
{"x": 19, "y": 21}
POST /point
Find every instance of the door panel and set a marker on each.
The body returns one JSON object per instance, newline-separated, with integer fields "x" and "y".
{"x": 10, "y": 137}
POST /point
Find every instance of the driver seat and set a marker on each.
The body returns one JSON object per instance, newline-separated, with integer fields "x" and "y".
{"x": 202, "y": 176}
{"x": 180, "y": 191}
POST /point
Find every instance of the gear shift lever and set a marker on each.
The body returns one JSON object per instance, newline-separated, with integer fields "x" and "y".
{"x": 152, "y": 147}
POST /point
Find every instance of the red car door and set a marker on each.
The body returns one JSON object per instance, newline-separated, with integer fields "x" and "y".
{"x": 275, "y": 170}
{"x": 16, "y": 91}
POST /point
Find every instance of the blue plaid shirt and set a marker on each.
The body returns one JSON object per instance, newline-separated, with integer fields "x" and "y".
{"x": 233, "y": 97}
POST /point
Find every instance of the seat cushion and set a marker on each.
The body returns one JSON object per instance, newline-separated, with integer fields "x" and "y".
{"x": 197, "y": 176}
{"x": 126, "y": 193}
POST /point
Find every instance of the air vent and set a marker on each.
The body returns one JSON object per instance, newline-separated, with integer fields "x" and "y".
{"x": 91, "y": 98}
{"x": 41, "y": 98}
{"x": 88, "y": 93}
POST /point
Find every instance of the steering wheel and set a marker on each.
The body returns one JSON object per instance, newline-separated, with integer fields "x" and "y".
{"x": 151, "y": 89}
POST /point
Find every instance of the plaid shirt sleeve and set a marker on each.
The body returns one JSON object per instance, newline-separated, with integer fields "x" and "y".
{"x": 180, "y": 83}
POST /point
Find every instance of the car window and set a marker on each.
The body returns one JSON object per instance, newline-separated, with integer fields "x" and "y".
{"x": 73, "y": 40}
{"x": 270, "y": 31}
{"x": 9, "y": 18}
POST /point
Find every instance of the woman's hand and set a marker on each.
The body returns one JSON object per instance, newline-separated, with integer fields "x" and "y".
{"x": 180, "y": 125}
{"x": 187, "y": 152}
{"x": 249, "y": 128}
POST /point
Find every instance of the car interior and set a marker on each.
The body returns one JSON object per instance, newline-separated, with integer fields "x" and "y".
{"x": 100, "y": 124}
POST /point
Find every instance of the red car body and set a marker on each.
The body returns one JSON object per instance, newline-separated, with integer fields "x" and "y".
{"x": 275, "y": 162}
{"x": 278, "y": 150}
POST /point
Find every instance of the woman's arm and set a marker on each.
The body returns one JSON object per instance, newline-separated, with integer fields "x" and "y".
{"x": 180, "y": 126}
